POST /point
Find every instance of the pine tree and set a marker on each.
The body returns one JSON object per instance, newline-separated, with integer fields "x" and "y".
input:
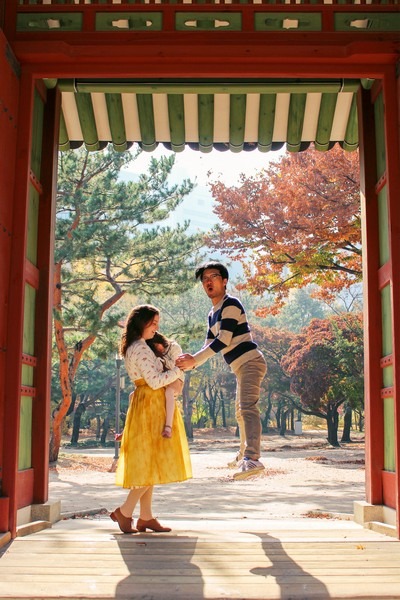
{"x": 109, "y": 242}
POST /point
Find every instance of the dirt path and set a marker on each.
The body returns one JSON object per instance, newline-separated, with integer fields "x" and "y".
{"x": 304, "y": 477}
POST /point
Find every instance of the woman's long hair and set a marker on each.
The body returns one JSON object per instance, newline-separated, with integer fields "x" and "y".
{"x": 138, "y": 318}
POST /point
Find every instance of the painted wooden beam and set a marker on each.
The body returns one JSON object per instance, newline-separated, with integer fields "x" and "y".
{"x": 116, "y": 120}
{"x": 36, "y": 150}
{"x": 146, "y": 122}
{"x": 266, "y": 120}
{"x": 295, "y": 121}
{"x": 325, "y": 121}
{"x": 350, "y": 142}
{"x": 210, "y": 86}
{"x": 176, "y": 117}
{"x": 63, "y": 140}
{"x": 205, "y": 104}
{"x": 237, "y": 119}
{"x": 87, "y": 120}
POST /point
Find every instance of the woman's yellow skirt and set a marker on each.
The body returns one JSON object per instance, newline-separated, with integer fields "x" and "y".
{"x": 147, "y": 458}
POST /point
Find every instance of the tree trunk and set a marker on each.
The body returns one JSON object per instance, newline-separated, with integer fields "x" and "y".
{"x": 360, "y": 420}
{"x": 75, "y": 398}
{"x": 98, "y": 427}
{"x": 65, "y": 382}
{"x": 187, "y": 406}
{"x": 223, "y": 413}
{"x": 68, "y": 367}
{"x": 264, "y": 423}
{"x": 292, "y": 419}
{"x": 278, "y": 417}
{"x": 77, "y": 423}
{"x": 55, "y": 443}
{"x": 211, "y": 401}
{"x": 332, "y": 419}
{"x": 347, "y": 424}
{"x": 282, "y": 429}
{"x": 105, "y": 430}
{"x": 267, "y": 417}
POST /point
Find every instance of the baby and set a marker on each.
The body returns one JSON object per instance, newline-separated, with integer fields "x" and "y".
{"x": 167, "y": 351}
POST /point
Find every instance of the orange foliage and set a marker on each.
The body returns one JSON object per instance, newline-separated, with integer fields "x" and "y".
{"x": 295, "y": 223}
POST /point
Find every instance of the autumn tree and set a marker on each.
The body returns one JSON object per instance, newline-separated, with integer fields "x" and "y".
{"x": 325, "y": 366}
{"x": 274, "y": 344}
{"x": 109, "y": 242}
{"x": 295, "y": 223}
{"x": 300, "y": 309}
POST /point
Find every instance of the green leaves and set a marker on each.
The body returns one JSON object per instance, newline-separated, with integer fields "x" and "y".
{"x": 108, "y": 237}
{"x": 293, "y": 224}
{"x": 110, "y": 241}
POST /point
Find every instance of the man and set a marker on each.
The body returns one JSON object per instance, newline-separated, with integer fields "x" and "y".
{"x": 229, "y": 333}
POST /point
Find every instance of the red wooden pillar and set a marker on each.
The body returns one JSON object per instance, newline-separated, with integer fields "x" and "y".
{"x": 380, "y": 187}
{"x": 9, "y": 93}
{"x": 372, "y": 307}
{"x": 28, "y": 319}
{"x": 45, "y": 262}
{"x": 16, "y": 298}
{"x": 392, "y": 136}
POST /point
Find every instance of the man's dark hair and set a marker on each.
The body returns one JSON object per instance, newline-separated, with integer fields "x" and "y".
{"x": 223, "y": 271}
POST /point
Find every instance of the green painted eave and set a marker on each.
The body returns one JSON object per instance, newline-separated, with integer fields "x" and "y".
{"x": 229, "y": 114}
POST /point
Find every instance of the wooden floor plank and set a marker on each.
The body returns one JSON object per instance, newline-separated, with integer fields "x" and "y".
{"x": 200, "y": 590}
{"x": 336, "y": 562}
{"x": 119, "y": 570}
{"x": 235, "y": 549}
{"x": 181, "y": 579}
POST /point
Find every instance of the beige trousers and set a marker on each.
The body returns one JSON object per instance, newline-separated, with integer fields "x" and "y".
{"x": 249, "y": 377}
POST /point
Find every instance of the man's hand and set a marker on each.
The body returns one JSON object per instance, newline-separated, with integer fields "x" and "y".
{"x": 185, "y": 362}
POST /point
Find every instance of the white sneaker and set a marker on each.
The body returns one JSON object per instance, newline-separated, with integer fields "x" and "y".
{"x": 237, "y": 462}
{"x": 249, "y": 467}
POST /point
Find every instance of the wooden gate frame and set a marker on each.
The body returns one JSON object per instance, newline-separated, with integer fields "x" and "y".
{"x": 167, "y": 54}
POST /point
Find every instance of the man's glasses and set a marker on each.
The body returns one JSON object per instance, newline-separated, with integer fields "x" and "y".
{"x": 210, "y": 277}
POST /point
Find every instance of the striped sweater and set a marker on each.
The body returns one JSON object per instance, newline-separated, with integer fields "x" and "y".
{"x": 228, "y": 333}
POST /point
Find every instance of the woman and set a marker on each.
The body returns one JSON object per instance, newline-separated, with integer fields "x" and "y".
{"x": 147, "y": 458}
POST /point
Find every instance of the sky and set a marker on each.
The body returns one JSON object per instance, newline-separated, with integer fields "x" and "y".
{"x": 195, "y": 165}
{"x": 197, "y": 207}
{"x": 227, "y": 166}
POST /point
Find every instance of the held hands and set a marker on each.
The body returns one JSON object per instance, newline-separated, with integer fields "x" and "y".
{"x": 185, "y": 362}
